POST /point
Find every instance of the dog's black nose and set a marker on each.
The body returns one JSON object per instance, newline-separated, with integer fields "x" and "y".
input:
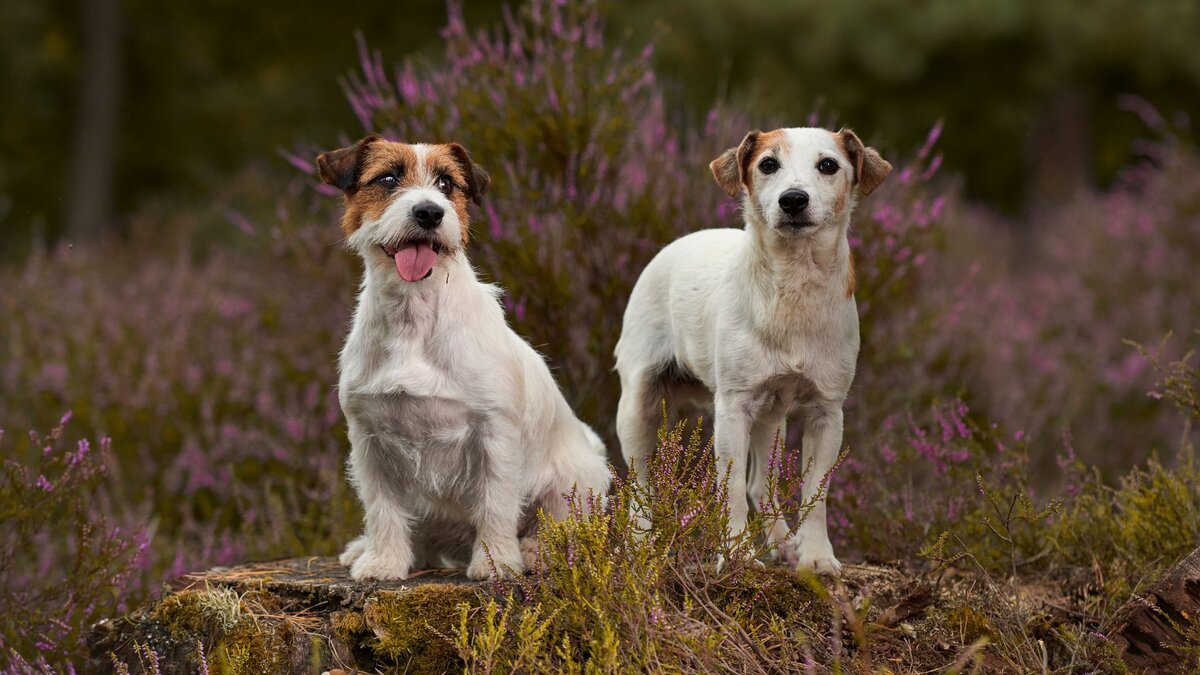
{"x": 428, "y": 215}
{"x": 793, "y": 201}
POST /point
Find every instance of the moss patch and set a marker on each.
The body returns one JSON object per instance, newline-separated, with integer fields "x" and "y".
{"x": 412, "y": 626}
{"x": 240, "y": 633}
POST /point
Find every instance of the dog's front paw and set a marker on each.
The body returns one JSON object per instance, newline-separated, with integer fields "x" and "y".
{"x": 816, "y": 557}
{"x": 480, "y": 569}
{"x": 353, "y": 551}
{"x": 828, "y": 565}
{"x": 371, "y": 565}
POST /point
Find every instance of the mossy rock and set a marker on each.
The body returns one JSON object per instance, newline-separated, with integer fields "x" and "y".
{"x": 307, "y": 616}
{"x": 294, "y": 616}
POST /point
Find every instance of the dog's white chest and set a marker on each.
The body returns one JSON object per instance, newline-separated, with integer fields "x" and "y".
{"x": 823, "y": 357}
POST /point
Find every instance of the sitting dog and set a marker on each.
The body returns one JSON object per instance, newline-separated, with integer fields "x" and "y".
{"x": 760, "y": 322}
{"x": 456, "y": 425}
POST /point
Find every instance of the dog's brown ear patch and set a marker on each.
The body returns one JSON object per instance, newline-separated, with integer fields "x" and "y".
{"x": 477, "y": 179}
{"x": 340, "y": 168}
{"x": 732, "y": 167}
{"x": 725, "y": 170}
{"x": 869, "y": 167}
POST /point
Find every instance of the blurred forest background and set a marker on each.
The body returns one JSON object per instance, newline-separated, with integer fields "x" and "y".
{"x": 111, "y": 106}
{"x": 173, "y": 294}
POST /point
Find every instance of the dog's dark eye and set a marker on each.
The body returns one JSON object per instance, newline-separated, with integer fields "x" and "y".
{"x": 827, "y": 166}
{"x": 768, "y": 165}
{"x": 445, "y": 184}
{"x": 387, "y": 180}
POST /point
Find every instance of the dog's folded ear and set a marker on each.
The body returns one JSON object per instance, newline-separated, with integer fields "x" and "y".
{"x": 339, "y": 168}
{"x": 731, "y": 168}
{"x": 869, "y": 168}
{"x": 477, "y": 179}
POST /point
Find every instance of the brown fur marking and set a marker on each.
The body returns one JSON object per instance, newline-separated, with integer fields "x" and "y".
{"x": 735, "y": 167}
{"x": 869, "y": 167}
{"x": 440, "y": 159}
{"x": 367, "y": 200}
{"x": 354, "y": 168}
{"x": 725, "y": 170}
{"x": 765, "y": 142}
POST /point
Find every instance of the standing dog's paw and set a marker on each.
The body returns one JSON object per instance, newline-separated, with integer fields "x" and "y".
{"x": 371, "y": 565}
{"x": 480, "y": 570}
{"x": 814, "y": 557}
{"x": 826, "y": 566}
{"x": 529, "y": 552}
{"x": 353, "y": 551}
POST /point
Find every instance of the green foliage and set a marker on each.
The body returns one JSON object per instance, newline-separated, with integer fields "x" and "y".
{"x": 1133, "y": 532}
{"x": 1124, "y": 537}
{"x": 998, "y": 531}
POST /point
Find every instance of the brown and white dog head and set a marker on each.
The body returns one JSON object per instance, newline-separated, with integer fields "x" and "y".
{"x": 406, "y": 205}
{"x": 801, "y": 179}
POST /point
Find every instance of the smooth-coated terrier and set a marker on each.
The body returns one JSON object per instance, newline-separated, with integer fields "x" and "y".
{"x": 457, "y": 428}
{"x": 759, "y": 322}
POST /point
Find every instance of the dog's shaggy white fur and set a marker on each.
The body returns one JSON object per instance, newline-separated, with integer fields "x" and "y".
{"x": 759, "y": 322}
{"x": 456, "y": 426}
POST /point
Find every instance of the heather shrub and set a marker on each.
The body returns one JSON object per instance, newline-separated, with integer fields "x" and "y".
{"x": 1034, "y": 314}
{"x": 213, "y": 375}
{"x": 1136, "y": 529}
{"x": 958, "y": 485}
{"x": 205, "y": 345}
{"x": 591, "y": 176}
{"x": 940, "y": 474}
{"x": 65, "y": 561}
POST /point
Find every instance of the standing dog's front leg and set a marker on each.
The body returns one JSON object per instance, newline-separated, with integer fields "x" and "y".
{"x": 732, "y": 434}
{"x": 822, "y": 444}
{"x": 766, "y": 437}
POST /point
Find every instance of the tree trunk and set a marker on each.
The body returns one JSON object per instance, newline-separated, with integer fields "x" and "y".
{"x": 1150, "y": 627}
{"x": 90, "y": 176}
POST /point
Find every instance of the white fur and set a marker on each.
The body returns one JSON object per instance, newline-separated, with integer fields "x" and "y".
{"x": 453, "y": 418}
{"x": 761, "y": 318}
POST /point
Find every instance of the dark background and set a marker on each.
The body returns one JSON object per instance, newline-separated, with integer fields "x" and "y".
{"x": 114, "y": 106}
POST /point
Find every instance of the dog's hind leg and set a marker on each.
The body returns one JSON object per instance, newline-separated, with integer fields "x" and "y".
{"x": 638, "y": 416}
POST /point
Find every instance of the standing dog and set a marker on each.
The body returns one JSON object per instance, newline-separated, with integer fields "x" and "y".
{"x": 761, "y": 322}
{"x": 455, "y": 423}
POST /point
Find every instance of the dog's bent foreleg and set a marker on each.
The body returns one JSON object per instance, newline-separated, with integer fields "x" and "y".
{"x": 496, "y": 515}
{"x": 822, "y": 444}
{"x": 385, "y": 549}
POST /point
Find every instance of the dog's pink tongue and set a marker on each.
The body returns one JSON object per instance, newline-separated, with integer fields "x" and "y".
{"x": 414, "y": 261}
